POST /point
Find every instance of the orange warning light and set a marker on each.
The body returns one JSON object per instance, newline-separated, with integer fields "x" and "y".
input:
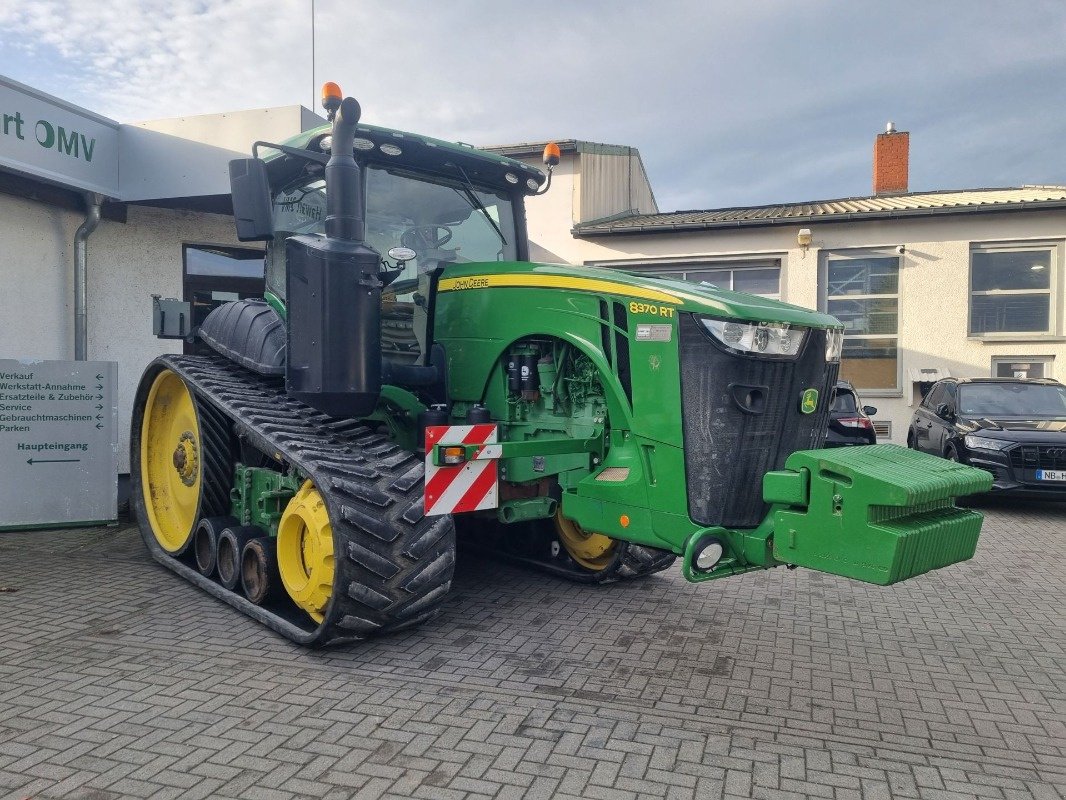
{"x": 624, "y": 520}
{"x": 552, "y": 154}
{"x": 331, "y": 93}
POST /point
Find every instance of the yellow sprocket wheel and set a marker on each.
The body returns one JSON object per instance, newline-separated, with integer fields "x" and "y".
{"x": 593, "y": 551}
{"x": 171, "y": 461}
{"x": 305, "y": 551}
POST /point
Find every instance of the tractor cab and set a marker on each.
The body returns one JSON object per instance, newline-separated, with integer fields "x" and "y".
{"x": 419, "y": 223}
{"x": 360, "y": 222}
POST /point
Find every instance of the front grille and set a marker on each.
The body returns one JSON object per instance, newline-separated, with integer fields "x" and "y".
{"x": 727, "y": 449}
{"x": 1038, "y": 456}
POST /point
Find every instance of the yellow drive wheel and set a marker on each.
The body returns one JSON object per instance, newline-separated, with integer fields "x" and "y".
{"x": 171, "y": 461}
{"x": 305, "y": 551}
{"x": 594, "y": 551}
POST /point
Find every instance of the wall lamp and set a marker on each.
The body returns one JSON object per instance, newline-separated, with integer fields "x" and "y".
{"x": 804, "y": 238}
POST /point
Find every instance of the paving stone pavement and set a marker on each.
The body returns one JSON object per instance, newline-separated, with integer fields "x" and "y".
{"x": 118, "y": 679}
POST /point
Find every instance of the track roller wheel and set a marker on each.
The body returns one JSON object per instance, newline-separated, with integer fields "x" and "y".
{"x": 205, "y": 542}
{"x": 260, "y": 580}
{"x": 305, "y": 551}
{"x": 230, "y": 546}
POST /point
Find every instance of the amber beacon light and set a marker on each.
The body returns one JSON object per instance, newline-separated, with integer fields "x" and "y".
{"x": 331, "y": 98}
{"x": 552, "y": 156}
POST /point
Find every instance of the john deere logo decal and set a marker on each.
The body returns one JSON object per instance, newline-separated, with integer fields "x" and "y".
{"x": 809, "y": 401}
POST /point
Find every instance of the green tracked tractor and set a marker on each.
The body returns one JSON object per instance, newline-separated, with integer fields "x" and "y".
{"x": 409, "y": 367}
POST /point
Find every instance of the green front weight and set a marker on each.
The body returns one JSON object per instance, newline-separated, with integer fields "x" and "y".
{"x": 879, "y": 514}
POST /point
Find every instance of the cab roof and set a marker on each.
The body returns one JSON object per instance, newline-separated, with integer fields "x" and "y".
{"x": 390, "y": 147}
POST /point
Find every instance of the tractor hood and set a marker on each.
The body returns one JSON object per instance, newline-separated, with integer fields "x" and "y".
{"x": 680, "y": 295}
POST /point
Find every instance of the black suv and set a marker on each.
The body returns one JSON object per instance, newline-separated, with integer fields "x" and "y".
{"x": 1013, "y": 428}
{"x": 849, "y": 422}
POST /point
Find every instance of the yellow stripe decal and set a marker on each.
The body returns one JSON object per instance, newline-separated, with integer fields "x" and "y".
{"x": 554, "y": 282}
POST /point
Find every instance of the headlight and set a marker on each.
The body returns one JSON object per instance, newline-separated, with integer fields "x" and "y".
{"x": 757, "y": 338}
{"x": 984, "y": 443}
{"x": 834, "y": 343}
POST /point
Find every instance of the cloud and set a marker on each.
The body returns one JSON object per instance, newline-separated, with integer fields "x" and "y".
{"x": 730, "y": 103}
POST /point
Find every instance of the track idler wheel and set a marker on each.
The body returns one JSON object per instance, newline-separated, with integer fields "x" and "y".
{"x": 563, "y": 548}
{"x": 305, "y": 551}
{"x": 593, "y": 551}
{"x": 181, "y": 462}
{"x": 260, "y": 579}
{"x": 170, "y": 462}
{"x": 231, "y": 544}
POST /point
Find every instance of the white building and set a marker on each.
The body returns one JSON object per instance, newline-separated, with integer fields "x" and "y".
{"x": 960, "y": 283}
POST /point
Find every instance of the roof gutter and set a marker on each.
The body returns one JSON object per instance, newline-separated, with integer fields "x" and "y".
{"x": 93, "y": 204}
{"x": 847, "y": 216}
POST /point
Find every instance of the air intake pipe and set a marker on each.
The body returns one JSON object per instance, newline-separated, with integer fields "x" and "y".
{"x": 334, "y": 293}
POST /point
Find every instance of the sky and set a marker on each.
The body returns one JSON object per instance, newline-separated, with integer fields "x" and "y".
{"x": 730, "y": 103}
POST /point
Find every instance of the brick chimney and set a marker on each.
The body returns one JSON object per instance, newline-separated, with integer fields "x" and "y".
{"x": 891, "y": 161}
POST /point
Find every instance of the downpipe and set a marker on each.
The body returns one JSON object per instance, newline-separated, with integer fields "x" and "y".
{"x": 93, "y": 203}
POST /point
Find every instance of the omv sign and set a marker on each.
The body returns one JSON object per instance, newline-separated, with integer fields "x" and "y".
{"x": 47, "y": 138}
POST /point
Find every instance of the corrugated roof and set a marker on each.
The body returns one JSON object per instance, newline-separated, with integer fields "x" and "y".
{"x": 913, "y": 204}
{"x": 565, "y": 146}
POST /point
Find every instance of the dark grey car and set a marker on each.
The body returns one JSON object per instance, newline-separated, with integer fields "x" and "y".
{"x": 1013, "y": 428}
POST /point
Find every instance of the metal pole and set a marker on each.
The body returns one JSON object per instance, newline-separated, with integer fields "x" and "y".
{"x": 81, "y": 261}
{"x": 314, "y": 89}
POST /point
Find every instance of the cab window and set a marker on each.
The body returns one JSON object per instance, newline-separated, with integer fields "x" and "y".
{"x": 442, "y": 221}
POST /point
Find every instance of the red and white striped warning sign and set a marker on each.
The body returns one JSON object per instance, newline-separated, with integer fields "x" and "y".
{"x": 470, "y": 486}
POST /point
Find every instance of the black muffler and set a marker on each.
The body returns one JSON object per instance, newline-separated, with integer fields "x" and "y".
{"x": 334, "y": 293}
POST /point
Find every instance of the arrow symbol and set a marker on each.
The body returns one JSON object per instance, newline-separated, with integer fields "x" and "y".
{"x": 52, "y": 460}
{"x": 99, "y": 386}
{"x": 99, "y": 377}
{"x": 99, "y": 397}
{"x": 98, "y": 416}
{"x": 98, "y": 425}
{"x": 99, "y": 407}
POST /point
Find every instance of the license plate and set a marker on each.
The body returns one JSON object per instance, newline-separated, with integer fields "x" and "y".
{"x": 1051, "y": 474}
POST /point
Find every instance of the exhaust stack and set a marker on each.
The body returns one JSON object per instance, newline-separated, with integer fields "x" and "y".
{"x": 333, "y": 291}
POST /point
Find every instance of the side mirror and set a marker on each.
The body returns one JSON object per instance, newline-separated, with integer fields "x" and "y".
{"x": 250, "y": 188}
{"x": 869, "y": 410}
{"x": 944, "y": 411}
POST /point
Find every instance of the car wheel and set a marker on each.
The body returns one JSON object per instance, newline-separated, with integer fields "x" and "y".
{"x": 950, "y": 453}
{"x": 910, "y": 439}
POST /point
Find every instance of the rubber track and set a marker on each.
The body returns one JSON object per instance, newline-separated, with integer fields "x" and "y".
{"x": 632, "y": 561}
{"x": 393, "y": 566}
{"x": 529, "y": 544}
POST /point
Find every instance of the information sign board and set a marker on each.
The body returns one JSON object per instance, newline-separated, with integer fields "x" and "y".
{"x": 58, "y": 443}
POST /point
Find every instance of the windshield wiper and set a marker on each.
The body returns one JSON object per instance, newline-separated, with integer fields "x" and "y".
{"x": 475, "y": 201}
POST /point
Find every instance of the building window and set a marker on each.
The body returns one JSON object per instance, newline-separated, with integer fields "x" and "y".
{"x": 216, "y": 274}
{"x": 754, "y": 277}
{"x": 863, "y": 293}
{"x": 1011, "y": 289}
{"x": 1022, "y": 366}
